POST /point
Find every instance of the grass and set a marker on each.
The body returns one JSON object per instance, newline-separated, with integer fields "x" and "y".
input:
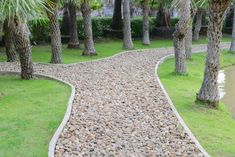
{"x": 214, "y": 128}
{"x": 104, "y": 49}
{"x": 31, "y": 111}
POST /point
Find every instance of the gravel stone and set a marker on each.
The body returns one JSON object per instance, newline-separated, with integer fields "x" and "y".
{"x": 119, "y": 108}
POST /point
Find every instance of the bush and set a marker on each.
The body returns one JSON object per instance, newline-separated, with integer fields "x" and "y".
{"x": 137, "y": 26}
{"x": 41, "y": 32}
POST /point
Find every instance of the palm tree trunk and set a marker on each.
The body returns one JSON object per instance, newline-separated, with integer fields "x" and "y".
{"x": 56, "y": 46}
{"x": 73, "y": 41}
{"x": 145, "y": 10}
{"x": 127, "y": 39}
{"x": 232, "y": 46}
{"x": 9, "y": 43}
{"x": 198, "y": 25}
{"x": 163, "y": 17}
{"x": 117, "y": 16}
{"x": 209, "y": 93}
{"x": 179, "y": 38}
{"x": 188, "y": 41}
{"x": 23, "y": 48}
{"x": 89, "y": 43}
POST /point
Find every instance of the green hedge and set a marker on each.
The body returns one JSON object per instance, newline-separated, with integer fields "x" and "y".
{"x": 40, "y": 32}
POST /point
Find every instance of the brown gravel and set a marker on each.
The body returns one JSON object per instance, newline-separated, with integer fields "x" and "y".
{"x": 119, "y": 108}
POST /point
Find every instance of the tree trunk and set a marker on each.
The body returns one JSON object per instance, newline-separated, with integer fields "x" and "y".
{"x": 23, "y": 48}
{"x": 65, "y": 21}
{"x": 179, "y": 35}
{"x": 198, "y": 25}
{"x": 189, "y": 35}
{"x": 163, "y": 17}
{"x": 117, "y": 16}
{"x": 132, "y": 9}
{"x": 127, "y": 39}
{"x": 89, "y": 43}
{"x": 73, "y": 41}
{"x": 9, "y": 43}
{"x": 209, "y": 93}
{"x": 232, "y": 46}
{"x": 188, "y": 41}
{"x": 56, "y": 46}
{"x": 145, "y": 10}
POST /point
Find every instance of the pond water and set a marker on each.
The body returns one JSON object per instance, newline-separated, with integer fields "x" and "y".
{"x": 227, "y": 88}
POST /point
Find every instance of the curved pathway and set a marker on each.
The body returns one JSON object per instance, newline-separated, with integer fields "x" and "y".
{"x": 119, "y": 109}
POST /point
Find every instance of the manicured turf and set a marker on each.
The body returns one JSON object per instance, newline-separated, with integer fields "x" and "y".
{"x": 105, "y": 48}
{"x": 214, "y": 128}
{"x": 31, "y": 111}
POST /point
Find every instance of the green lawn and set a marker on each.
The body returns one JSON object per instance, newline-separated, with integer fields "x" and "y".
{"x": 31, "y": 111}
{"x": 214, "y": 128}
{"x": 104, "y": 49}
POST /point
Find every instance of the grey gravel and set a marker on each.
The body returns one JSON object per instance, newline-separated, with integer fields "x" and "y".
{"x": 119, "y": 108}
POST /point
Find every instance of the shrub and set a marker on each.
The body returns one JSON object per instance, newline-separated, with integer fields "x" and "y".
{"x": 41, "y": 32}
{"x": 137, "y": 26}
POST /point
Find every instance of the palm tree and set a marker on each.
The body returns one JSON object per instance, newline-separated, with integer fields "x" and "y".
{"x": 73, "y": 41}
{"x": 189, "y": 34}
{"x": 145, "y": 10}
{"x": 179, "y": 35}
{"x": 17, "y": 15}
{"x": 9, "y": 44}
{"x": 56, "y": 46}
{"x": 117, "y": 16}
{"x": 127, "y": 39}
{"x": 89, "y": 43}
{"x": 201, "y": 6}
{"x": 232, "y": 46}
{"x": 198, "y": 24}
{"x": 209, "y": 93}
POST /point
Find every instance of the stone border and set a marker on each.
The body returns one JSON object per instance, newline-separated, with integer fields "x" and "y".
{"x": 180, "y": 119}
{"x": 53, "y": 141}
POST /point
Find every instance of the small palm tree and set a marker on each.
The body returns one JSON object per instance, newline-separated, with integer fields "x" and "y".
{"x": 145, "y": 11}
{"x": 89, "y": 42}
{"x": 179, "y": 35}
{"x": 127, "y": 38}
{"x": 73, "y": 41}
{"x": 17, "y": 14}
{"x": 209, "y": 93}
{"x": 56, "y": 46}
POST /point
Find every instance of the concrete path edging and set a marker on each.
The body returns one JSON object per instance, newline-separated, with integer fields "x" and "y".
{"x": 180, "y": 119}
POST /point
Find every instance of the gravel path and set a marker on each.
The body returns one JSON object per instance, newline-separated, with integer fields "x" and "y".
{"x": 119, "y": 108}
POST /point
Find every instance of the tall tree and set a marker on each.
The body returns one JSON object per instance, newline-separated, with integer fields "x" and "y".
{"x": 127, "y": 38}
{"x": 9, "y": 44}
{"x": 117, "y": 16}
{"x": 73, "y": 41}
{"x": 145, "y": 10}
{"x": 209, "y": 93}
{"x": 163, "y": 15}
{"x": 198, "y": 25}
{"x": 17, "y": 14}
{"x": 23, "y": 47}
{"x": 232, "y": 46}
{"x": 181, "y": 29}
{"x": 89, "y": 43}
{"x": 189, "y": 34}
{"x": 65, "y": 20}
{"x": 56, "y": 45}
